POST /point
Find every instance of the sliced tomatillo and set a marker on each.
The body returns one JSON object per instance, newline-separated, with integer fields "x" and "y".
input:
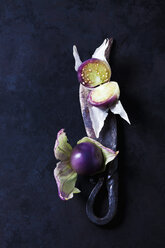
{"x": 94, "y": 72}
{"x": 97, "y": 113}
{"x": 104, "y": 95}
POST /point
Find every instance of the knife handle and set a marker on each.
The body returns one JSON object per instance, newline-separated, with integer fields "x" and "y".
{"x": 112, "y": 188}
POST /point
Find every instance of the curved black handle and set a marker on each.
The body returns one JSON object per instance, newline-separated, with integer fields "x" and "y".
{"x": 112, "y": 187}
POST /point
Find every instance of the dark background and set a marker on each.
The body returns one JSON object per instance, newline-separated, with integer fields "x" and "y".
{"x": 39, "y": 96}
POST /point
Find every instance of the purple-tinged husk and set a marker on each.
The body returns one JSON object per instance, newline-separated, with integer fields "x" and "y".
{"x": 65, "y": 178}
{"x": 62, "y": 149}
{"x": 64, "y": 175}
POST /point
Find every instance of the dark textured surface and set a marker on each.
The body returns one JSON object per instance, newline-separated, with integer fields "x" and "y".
{"x": 39, "y": 95}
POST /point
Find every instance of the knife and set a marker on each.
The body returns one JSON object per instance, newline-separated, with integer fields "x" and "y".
{"x": 107, "y": 137}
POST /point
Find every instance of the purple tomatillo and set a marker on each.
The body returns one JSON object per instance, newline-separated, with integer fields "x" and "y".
{"x": 87, "y": 158}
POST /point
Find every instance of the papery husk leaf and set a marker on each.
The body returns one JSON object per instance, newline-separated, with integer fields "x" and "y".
{"x": 76, "y": 56}
{"x": 100, "y": 51}
{"x": 117, "y": 108}
{"x": 66, "y": 179}
{"x": 62, "y": 149}
{"x": 97, "y": 116}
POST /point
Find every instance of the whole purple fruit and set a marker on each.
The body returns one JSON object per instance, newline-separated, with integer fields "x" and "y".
{"x": 86, "y": 158}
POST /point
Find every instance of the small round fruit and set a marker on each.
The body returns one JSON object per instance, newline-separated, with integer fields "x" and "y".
{"x": 104, "y": 95}
{"x": 94, "y": 72}
{"x": 86, "y": 158}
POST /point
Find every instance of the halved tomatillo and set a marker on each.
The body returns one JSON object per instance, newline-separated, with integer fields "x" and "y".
{"x": 94, "y": 72}
{"x": 104, "y": 95}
